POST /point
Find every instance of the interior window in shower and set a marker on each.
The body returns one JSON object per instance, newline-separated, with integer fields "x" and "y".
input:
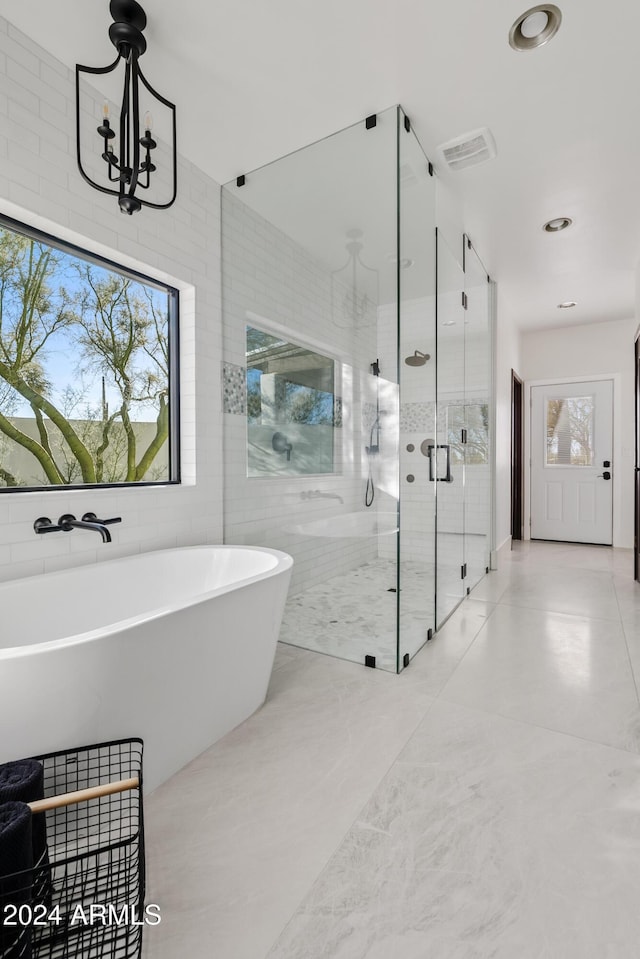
{"x": 291, "y": 407}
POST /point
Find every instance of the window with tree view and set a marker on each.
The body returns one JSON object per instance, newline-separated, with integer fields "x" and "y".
{"x": 86, "y": 368}
{"x": 570, "y": 431}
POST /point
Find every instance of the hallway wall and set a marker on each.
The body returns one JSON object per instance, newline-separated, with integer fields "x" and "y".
{"x": 599, "y": 348}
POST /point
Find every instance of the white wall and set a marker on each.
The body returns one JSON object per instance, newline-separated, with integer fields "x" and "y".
{"x": 597, "y": 349}
{"x": 40, "y": 185}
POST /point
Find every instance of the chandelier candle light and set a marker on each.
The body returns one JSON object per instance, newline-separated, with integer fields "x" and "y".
{"x": 127, "y": 154}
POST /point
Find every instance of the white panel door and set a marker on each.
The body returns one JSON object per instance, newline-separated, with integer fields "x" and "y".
{"x": 571, "y": 462}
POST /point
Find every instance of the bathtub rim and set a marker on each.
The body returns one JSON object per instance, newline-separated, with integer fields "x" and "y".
{"x": 284, "y": 563}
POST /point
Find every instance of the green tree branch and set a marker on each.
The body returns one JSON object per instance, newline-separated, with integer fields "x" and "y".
{"x": 36, "y": 400}
{"x": 156, "y": 444}
{"x": 28, "y": 443}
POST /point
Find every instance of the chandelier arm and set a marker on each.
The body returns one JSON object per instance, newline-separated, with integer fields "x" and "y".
{"x": 96, "y": 70}
{"x": 174, "y": 143}
{"x": 154, "y": 93}
{"x": 80, "y": 68}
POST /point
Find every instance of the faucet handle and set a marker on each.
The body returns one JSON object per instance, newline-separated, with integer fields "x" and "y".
{"x": 44, "y": 525}
{"x": 92, "y": 518}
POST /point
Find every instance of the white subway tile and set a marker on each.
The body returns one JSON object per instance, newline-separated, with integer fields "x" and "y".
{"x": 181, "y": 245}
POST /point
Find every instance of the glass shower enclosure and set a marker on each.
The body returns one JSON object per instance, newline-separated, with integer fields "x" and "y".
{"x": 333, "y": 438}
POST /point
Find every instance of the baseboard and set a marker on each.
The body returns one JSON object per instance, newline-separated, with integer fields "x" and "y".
{"x": 498, "y": 554}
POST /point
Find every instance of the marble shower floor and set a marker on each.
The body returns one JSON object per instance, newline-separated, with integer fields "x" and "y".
{"x": 484, "y": 803}
{"x": 354, "y": 615}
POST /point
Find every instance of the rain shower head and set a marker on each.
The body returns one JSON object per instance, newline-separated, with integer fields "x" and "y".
{"x": 418, "y": 358}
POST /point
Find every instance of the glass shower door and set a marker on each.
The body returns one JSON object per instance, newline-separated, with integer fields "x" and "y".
{"x": 310, "y": 383}
{"x": 477, "y": 395}
{"x": 417, "y": 377}
{"x": 446, "y": 462}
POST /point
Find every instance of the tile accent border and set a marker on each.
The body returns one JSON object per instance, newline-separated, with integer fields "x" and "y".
{"x": 234, "y": 389}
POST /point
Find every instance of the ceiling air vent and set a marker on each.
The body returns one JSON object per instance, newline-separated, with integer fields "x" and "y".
{"x": 469, "y": 149}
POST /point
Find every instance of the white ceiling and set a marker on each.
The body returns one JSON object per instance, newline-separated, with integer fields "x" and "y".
{"x": 254, "y": 81}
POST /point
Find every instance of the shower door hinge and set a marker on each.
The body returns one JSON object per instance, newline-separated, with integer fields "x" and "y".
{"x": 241, "y": 180}
{"x": 463, "y": 571}
{"x": 405, "y": 660}
{"x": 429, "y": 634}
{"x": 407, "y": 124}
{"x": 370, "y": 661}
{"x": 430, "y": 168}
{"x": 370, "y": 122}
{"x": 465, "y": 302}
{"x": 463, "y": 436}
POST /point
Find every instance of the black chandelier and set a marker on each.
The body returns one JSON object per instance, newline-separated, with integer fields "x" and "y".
{"x": 127, "y": 153}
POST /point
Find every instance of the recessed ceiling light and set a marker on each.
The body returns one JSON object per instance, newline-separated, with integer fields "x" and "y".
{"x": 567, "y": 305}
{"x": 535, "y": 27}
{"x": 557, "y": 224}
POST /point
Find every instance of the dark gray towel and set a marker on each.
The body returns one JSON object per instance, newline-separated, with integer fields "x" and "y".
{"x": 16, "y": 878}
{"x": 23, "y": 781}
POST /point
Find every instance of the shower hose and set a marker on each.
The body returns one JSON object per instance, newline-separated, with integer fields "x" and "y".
{"x": 370, "y": 491}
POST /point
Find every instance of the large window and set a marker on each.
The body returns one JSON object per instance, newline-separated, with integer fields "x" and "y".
{"x": 88, "y": 368}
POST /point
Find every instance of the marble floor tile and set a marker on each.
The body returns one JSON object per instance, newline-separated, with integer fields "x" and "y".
{"x": 567, "y": 673}
{"x": 437, "y": 661}
{"x": 628, "y": 597}
{"x": 535, "y": 553}
{"x": 484, "y": 804}
{"x": 563, "y": 589}
{"x": 491, "y": 588}
{"x": 237, "y": 837}
{"x": 488, "y": 838}
{"x": 628, "y": 594}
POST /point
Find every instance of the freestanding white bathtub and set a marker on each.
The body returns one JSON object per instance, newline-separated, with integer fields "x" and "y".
{"x": 174, "y": 646}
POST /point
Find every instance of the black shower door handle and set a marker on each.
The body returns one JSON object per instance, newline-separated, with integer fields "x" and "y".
{"x": 448, "y": 478}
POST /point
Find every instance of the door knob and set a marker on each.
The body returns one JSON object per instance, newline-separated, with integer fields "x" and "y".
{"x": 606, "y": 475}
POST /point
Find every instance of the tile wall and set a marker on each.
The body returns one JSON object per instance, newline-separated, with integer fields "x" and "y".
{"x": 40, "y": 185}
{"x": 271, "y": 282}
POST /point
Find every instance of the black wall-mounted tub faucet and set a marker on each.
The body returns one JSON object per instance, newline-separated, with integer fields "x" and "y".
{"x": 67, "y": 522}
